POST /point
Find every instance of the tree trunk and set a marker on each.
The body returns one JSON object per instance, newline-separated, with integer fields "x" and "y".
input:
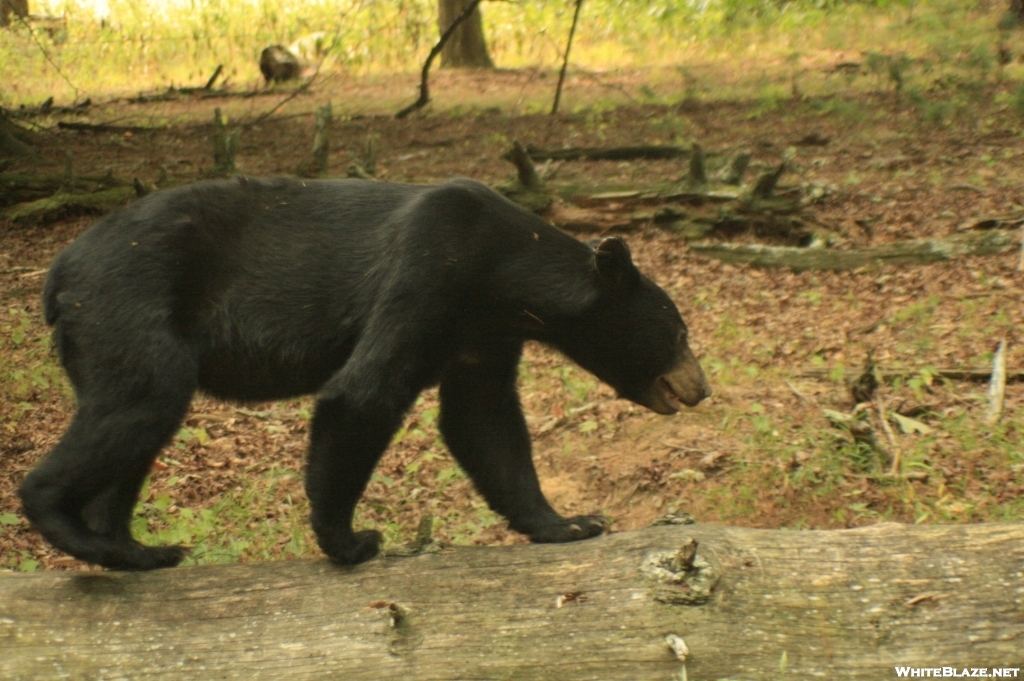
{"x": 848, "y": 604}
{"x": 1016, "y": 9}
{"x": 9, "y": 7}
{"x": 467, "y": 47}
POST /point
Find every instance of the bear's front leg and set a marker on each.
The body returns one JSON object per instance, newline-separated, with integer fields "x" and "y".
{"x": 483, "y": 426}
{"x": 350, "y": 430}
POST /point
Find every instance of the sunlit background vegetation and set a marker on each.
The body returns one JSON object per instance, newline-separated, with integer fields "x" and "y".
{"x": 127, "y": 45}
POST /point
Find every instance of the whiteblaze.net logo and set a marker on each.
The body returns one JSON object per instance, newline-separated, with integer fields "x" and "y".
{"x": 959, "y": 672}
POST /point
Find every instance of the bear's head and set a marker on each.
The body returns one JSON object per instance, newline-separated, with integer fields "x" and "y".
{"x": 633, "y": 338}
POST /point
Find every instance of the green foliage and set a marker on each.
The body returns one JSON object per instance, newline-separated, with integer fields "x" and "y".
{"x": 1018, "y": 100}
{"x": 28, "y": 370}
{"x": 146, "y": 44}
{"x": 577, "y": 384}
{"x": 238, "y": 526}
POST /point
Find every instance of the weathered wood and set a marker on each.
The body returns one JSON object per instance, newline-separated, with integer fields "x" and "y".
{"x": 901, "y": 252}
{"x": 529, "y": 190}
{"x": 319, "y": 165}
{"x": 849, "y": 604}
{"x": 526, "y": 171}
{"x": 225, "y": 145}
{"x": 997, "y": 386}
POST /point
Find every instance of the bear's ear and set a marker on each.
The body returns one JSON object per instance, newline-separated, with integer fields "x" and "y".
{"x": 614, "y": 262}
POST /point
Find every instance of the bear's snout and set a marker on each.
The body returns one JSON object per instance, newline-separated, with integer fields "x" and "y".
{"x": 685, "y": 383}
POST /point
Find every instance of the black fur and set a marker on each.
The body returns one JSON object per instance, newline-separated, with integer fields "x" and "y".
{"x": 363, "y": 292}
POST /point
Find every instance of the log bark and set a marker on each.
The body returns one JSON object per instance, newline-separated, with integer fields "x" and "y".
{"x": 849, "y": 604}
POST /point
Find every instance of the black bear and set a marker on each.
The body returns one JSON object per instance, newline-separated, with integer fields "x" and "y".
{"x": 364, "y": 293}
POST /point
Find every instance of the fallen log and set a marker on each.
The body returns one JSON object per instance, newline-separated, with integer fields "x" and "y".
{"x": 916, "y": 251}
{"x": 952, "y": 373}
{"x": 64, "y": 203}
{"x": 849, "y": 604}
{"x": 24, "y": 187}
{"x": 105, "y": 128}
{"x": 647, "y": 151}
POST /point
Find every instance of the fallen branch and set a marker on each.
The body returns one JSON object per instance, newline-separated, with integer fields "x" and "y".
{"x": 47, "y": 108}
{"x": 103, "y": 127}
{"x": 918, "y": 251}
{"x": 1004, "y": 221}
{"x": 975, "y": 374}
{"x": 655, "y": 152}
{"x": 849, "y": 604}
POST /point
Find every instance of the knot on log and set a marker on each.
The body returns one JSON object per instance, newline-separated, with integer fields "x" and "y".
{"x": 683, "y": 578}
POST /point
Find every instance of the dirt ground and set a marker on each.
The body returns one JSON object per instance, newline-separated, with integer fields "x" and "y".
{"x": 755, "y": 454}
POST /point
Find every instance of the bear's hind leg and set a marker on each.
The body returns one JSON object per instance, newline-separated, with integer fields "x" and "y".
{"x": 483, "y": 426}
{"x": 82, "y": 495}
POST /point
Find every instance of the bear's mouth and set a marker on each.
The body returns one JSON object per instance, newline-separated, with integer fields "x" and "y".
{"x": 661, "y": 398}
{"x": 669, "y": 393}
{"x": 671, "y": 400}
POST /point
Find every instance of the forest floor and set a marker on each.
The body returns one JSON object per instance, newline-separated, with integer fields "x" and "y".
{"x": 762, "y": 452}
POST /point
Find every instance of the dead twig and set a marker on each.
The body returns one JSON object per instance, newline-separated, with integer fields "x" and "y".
{"x": 997, "y": 386}
{"x": 213, "y": 78}
{"x": 1020, "y": 263}
{"x": 302, "y": 89}
{"x": 565, "y": 62}
{"x": 424, "y": 97}
{"x": 883, "y": 416}
{"x": 800, "y": 395}
{"x": 46, "y": 54}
